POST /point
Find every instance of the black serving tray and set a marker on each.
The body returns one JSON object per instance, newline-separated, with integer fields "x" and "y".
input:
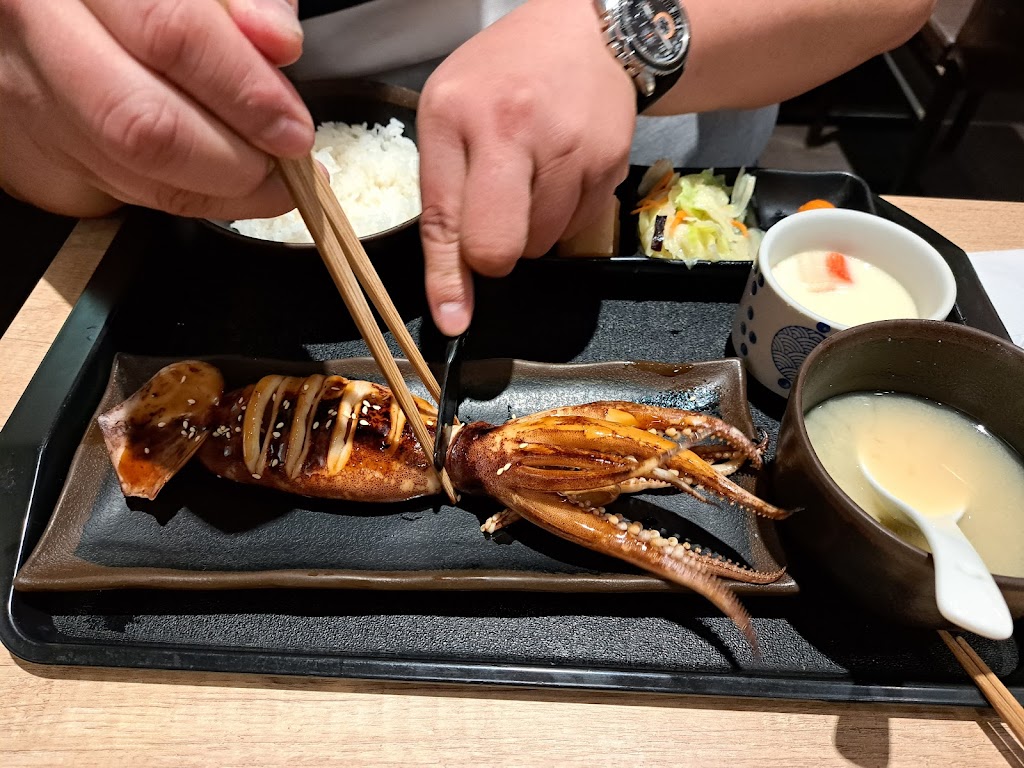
{"x": 170, "y": 288}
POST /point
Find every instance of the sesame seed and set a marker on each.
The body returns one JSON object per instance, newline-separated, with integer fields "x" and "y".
{"x": 375, "y": 407}
{"x": 524, "y": 445}
{"x": 276, "y": 434}
{"x": 273, "y": 398}
{"x": 244, "y": 407}
{"x": 227, "y": 452}
{"x": 162, "y": 424}
{"x": 328, "y": 424}
{"x": 145, "y": 451}
{"x": 286, "y": 405}
{"x": 279, "y": 425}
{"x": 190, "y": 401}
{"x": 183, "y": 379}
{"x": 255, "y": 476}
{"x": 332, "y": 412}
{"x": 184, "y": 433}
{"x": 184, "y": 424}
{"x": 364, "y": 423}
{"x": 366, "y": 403}
{"x": 316, "y": 424}
{"x": 198, "y": 438}
{"x": 500, "y": 470}
{"x": 239, "y": 417}
{"x": 305, "y": 387}
{"x": 365, "y": 409}
{"x": 507, "y": 467}
{"x": 238, "y": 429}
{"x": 241, "y": 400}
{"x": 274, "y": 462}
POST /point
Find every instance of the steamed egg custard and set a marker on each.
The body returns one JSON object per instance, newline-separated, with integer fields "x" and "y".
{"x": 843, "y": 289}
{"x": 931, "y": 456}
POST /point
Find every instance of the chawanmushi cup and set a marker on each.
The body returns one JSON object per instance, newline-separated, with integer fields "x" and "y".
{"x": 773, "y": 333}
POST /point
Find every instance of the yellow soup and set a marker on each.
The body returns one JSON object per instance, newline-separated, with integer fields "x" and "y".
{"x": 930, "y": 455}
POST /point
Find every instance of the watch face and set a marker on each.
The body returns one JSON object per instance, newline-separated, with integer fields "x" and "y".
{"x": 658, "y": 30}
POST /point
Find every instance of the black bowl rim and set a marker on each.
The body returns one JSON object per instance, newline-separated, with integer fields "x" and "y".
{"x": 898, "y": 329}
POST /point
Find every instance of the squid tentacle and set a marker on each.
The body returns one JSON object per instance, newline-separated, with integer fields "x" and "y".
{"x": 597, "y": 532}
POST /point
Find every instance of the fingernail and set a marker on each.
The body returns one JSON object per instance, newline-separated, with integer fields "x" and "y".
{"x": 288, "y": 136}
{"x": 280, "y": 14}
{"x": 452, "y": 318}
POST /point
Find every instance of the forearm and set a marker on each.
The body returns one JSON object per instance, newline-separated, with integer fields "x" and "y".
{"x": 749, "y": 53}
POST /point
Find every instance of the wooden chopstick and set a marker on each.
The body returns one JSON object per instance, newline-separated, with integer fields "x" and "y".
{"x": 1003, "y": 702}
{"x": 344, "y": 256}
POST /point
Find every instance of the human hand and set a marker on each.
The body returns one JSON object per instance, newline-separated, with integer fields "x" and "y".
{"x": 171, "y": 104}
{"x": 524, "y": 134}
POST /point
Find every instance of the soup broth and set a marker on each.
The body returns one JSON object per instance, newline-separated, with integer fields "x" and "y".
{"x": 931, "y": 455}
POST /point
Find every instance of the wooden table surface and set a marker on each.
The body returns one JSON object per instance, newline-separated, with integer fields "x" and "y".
{"x": 104, "y": 717}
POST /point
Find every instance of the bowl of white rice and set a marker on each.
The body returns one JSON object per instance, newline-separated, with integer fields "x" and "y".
{"x": 366, "y": 139}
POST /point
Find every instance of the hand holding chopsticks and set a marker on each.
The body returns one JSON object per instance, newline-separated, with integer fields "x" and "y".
{"x": 1002, "y": 701}
{"x": 350, "y": 267}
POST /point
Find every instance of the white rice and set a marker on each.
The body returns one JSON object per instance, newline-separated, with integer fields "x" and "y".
{"x": 375, "y": 173}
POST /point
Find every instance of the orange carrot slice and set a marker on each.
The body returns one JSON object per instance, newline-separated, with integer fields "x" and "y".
{"x": 811, "y": 205}
{"x": 647, "y": 204}
{"x": 838, "y": 267}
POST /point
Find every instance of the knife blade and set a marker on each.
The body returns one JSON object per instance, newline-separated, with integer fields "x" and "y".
{"x": 448, "y": 406}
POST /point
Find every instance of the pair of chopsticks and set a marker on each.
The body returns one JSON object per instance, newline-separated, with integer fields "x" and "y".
{"x": 1003, "y": 702}
{"x": 352, "y": 273}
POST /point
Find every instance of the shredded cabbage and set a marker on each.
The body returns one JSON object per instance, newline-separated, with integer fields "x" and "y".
{"x": 704, "y": 220}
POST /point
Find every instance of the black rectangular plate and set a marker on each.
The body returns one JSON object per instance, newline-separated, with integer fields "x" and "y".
{"x": 206, "y": 533}
{"x": 170, "y": 288}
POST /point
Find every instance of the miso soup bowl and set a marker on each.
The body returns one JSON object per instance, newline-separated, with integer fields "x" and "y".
{"x": 970, "y": 370}
{"x": 774, "y": 334}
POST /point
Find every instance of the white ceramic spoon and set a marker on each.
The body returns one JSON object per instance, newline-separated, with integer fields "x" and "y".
{"x": 965, "y": 592}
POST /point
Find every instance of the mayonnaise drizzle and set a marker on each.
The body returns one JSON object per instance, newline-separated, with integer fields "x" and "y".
{"x": 262, "y": 395}
{"x": 344, "y": 430}
{"x": 299, "y": 439}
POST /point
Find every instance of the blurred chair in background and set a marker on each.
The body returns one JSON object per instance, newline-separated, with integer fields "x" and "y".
{"x": 973, "y": 47}
{"x": 968, "y": 48}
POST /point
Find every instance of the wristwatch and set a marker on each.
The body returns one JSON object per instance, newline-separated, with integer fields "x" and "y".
{"x": 651, "y": 39}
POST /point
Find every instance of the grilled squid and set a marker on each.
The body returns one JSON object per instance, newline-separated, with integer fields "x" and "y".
{"x": 332, "y": 437}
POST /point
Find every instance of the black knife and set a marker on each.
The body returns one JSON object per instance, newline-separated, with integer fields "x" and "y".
{"x": 448, "y": 406}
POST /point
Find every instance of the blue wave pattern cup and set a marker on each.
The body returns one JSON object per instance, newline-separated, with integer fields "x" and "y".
{"x": 773, "y": 334}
